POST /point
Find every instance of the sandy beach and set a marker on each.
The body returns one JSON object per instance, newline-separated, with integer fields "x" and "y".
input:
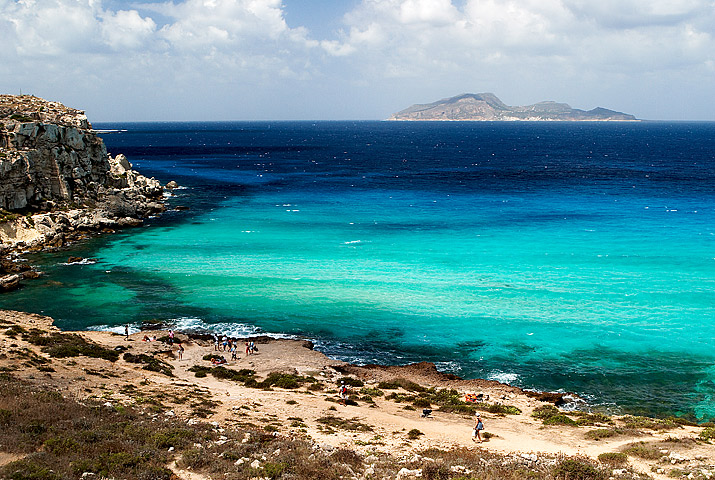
{"x": 382, "y": 417}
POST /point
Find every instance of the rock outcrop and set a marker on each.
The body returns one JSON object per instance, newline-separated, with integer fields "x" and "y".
{"x": 57, "y": 179}
{"x": 487, "y": 107}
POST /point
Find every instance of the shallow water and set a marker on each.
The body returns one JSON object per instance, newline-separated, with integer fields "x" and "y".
{"x": 552, "y": 256}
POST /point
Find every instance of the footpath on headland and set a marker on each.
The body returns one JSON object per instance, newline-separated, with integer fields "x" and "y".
{"x": 280, "y": 408}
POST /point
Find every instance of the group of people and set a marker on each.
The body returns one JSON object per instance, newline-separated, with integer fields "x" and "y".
{"x": 226, "y": 344}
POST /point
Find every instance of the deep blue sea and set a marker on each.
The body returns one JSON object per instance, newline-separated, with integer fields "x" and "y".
{"x": 553, "y": 256}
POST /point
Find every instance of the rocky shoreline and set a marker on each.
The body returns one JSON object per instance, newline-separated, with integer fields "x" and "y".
{"x": 58, "y": 183}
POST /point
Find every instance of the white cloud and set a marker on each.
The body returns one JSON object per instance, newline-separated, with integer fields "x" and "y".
{"x": 126, "y": 29}
{"x": 242, "y": 57}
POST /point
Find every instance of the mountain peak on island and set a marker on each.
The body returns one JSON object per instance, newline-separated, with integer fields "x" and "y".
{"x": 488, "y": 107}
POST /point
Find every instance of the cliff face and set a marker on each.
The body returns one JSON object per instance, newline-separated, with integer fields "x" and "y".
{"x": 57, "y": 179}
{"x": 487, "y": 107}
{"x": 50, "y": 157}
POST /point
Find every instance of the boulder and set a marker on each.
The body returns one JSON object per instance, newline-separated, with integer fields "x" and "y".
{"x": 10, "y": 282}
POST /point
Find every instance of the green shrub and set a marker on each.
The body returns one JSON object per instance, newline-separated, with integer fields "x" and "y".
{"x": 615, "y": 459}
{"x": 351, "y": 382}
{"x": 601, "y": 433}
{"x": 371, "y": 392}
{"x": 422, "y": 403}
{"x": 500, "y": 409}
{"x": 576, "y": 469}
{"x": 274, "y": 470}
{"x": 26, "y": 469}
{"x": 150, "y": 363}
{"x": 64, "y": 345}
{"x": 414, "y": 434}
{"x": 643, "y": 450}
{"x": 337, "y": 422}
{"x": 463, "y": 409}
{"x": 560, "y": 420}
{"x": 545, "y": 411}
{"x": 636, "y": 422}
{"x": 707, "y": 434}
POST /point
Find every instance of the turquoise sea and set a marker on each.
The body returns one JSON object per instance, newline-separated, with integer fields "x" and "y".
{"x": 555, "y": 256}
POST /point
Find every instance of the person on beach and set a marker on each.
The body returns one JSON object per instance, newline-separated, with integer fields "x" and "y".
{"x": 478, "y": 427}
{"x": 343, "y": 391}
{"x": 171, "y": 337}
{"x": 234, "y": 352}
{"x": 126, "y": 331}
{"x": 181, "y": 351}
{"x": 215, "y": 342}
{"x": 248, "y": 349}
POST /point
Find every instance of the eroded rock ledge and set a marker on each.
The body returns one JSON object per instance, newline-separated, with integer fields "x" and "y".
{"x": 57, "y": 181}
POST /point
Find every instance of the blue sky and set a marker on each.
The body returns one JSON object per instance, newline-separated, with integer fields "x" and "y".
{"x": 357, "y": 59}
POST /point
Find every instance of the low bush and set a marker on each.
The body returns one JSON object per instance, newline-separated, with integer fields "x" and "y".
{"x": 414, "y": 434}
{"x": 642, "y": 450}
{"x": 344, "y": 424}
{"x": 371, "y": 392}
{"x": 577, "y": 469}
{"x": 150, "y": 363}
{"x": 615, "y": 459}
{"x": 351, "y": 382}
{"x": 707, "y": 434}
{"x": 64, "y": 345}
{"x": 601, "y": 433}
{"x": 636, "y": 422}
{"x": 560, "y": 419}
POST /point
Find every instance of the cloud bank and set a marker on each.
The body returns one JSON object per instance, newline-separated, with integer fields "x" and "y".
{"x": 243, "y": 59}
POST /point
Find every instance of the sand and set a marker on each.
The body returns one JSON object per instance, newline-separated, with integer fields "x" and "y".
{"x": 519, "y": 435}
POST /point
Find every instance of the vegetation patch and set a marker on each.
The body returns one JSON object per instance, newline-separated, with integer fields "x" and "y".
{"x": 601, "y": 433}
{"x": 344, "y": 424}
{"x": 64, "y": 345}
{"x": 414, "y": 434}
{"x": 616, "y": 459}
{"x": 371, "y": 392}
{"x": 648, "y": 423}
{"x": 707, "y": 434}
{"x": 350, "y": 381}
{"x": 577, "y": 469}
{"x": 644, "y": 450}
{"x": 550, "y": 415}
{"x": 61, "y": 438}
{"x": 150, "y": 363}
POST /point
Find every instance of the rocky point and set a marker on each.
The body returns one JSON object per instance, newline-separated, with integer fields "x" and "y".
{"x": 57, "y": 182}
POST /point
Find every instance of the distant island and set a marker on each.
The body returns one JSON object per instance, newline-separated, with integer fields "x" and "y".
{"x": 488, "y": 107}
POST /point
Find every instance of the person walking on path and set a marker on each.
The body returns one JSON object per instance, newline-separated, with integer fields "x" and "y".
{"x": 478, "y": 427}
{"x": 181, "y": 352}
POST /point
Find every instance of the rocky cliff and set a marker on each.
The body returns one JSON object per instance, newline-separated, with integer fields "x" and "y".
{"x": 57, "y": 179}
{"x": 487, "y": 107}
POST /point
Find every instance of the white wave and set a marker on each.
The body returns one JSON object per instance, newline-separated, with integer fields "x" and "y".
{"x": 115, "y": 329}
{"x": 503, "y": 377}
{"x": 352, "y": 242}
{"x": 84, "y": 261}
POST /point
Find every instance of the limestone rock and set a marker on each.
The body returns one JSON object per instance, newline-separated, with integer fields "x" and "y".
{"x": 54, "y": 165}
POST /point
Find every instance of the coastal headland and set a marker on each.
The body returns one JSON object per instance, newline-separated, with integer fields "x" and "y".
{"x": 59, "y": 184}
{"x": 277, "y": 413}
